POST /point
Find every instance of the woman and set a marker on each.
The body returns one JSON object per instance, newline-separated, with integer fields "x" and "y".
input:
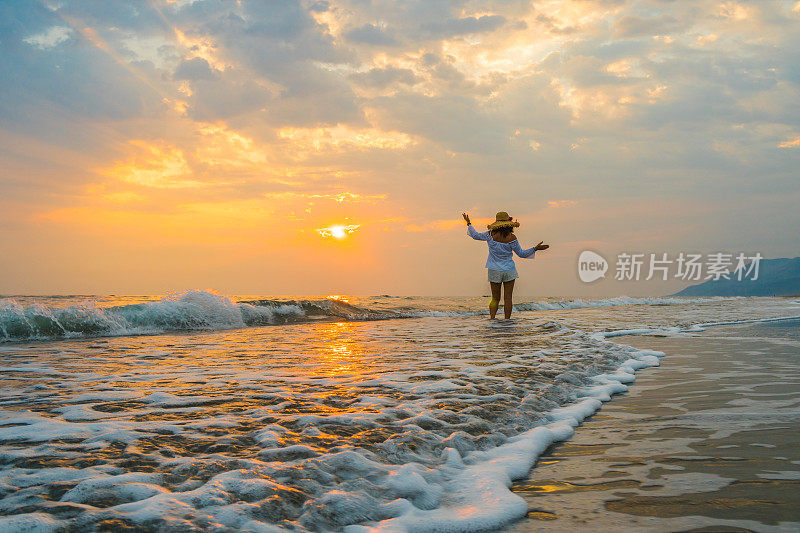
{"x": 502, "y": 271}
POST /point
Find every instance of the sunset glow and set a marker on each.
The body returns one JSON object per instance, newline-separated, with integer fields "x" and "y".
{"x": 129, "y": 134}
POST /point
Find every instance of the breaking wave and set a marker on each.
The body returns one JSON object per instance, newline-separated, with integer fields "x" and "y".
{"x": 203, "y": 310}
{"x": 191, "y": 310}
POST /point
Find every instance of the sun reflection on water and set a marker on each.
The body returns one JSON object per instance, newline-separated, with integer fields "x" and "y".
{"x": 341, "y": 348}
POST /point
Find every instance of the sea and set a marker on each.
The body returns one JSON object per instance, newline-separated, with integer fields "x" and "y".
{"x": 198, "y": 411}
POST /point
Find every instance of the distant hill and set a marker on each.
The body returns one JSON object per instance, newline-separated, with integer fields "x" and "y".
{"x": 776, "y": 277}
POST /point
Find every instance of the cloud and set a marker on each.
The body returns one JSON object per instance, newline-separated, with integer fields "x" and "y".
{"x": 372, "y": 35}
{"x": 50, "y": 38}
{"x": 154, "y": 166}
{"x": 382, "y": 77}
{"x": 320, "y": 6}
{"x": 319, "y": 139}
{"x": 634, "y": 26}
{"x": 196, "y": 68}
{"x": 462, "y": 26}
{"x": 794, "y": 142}
{"x": 561, "y": 203}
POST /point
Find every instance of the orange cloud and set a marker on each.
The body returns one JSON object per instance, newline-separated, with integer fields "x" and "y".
{"x": 562, "y": 203}
{"x": 221, "y": 146}
{"x": 201, "y": 47}
{"x": 215, "y": 149}
{"x": 155, "y": 165}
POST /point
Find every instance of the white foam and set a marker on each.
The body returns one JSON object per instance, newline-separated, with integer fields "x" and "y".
{"x": 478, "y": 495}
{"x": 128, "y": 487}
{"x": 748, "y": 321}
{"x": 678, "y": 331}
{"x": 31, "y": 523}
{"x": 607, "y": 302}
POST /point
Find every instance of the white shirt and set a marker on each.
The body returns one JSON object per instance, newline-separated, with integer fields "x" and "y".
{"x": 500, "y": 256}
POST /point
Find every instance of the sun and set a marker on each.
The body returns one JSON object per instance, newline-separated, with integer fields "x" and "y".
{"x": 338, "y": 231}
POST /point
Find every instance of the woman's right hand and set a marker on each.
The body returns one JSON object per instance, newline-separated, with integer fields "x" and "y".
{"x": 466, "y": 217}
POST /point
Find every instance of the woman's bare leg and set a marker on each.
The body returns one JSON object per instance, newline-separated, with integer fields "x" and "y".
{"x": 495, "y": 303}
{"x": 508, "y": 297}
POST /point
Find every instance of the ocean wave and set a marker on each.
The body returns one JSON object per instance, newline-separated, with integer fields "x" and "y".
{"x": 204, "y": 310}
{"x": 606, "y": 302}
{"x": 190, "y": 310}
{"x": 327, "y": 307}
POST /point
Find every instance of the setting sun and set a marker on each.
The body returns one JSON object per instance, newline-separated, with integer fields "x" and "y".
{"x": 338, "y": 231}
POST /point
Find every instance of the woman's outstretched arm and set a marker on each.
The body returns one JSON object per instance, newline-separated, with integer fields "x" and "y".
{"x": 520, "y": 251}
{"x": 472, "y": 232}
{"x": 530, "y": 251}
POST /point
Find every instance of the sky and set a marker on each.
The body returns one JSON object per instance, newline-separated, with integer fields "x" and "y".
{"x": 157, "y": 146}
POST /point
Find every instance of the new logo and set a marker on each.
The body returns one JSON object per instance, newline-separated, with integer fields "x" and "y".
{"x": 591, "y": 266}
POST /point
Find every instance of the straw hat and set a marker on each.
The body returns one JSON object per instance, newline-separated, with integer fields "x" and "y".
{"x": 503, "y": 221}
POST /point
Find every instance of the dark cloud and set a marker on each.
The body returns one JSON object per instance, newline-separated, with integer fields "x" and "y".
{"x": 320, "y": 6}
{"x": 216, "y": 100}
{"x": 430, "y": 58}
{"x": 372, "y": 35}
{"x": 277, "y": 19}
{"x": 633, "y": 26}
{"x": 382, "y": 77}
{"x": 455, "y": 122}
{"x": 196, "y": 68}
{"x": 78, "y": 78}
{"x": 462, "y": 26}
{"x": 279, "y": 43}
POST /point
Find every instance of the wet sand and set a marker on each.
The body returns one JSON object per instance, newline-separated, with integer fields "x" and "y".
{"x": 709, "y": 441}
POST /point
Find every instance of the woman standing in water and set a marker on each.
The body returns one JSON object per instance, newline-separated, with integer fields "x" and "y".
{"x": 502, "y": 271}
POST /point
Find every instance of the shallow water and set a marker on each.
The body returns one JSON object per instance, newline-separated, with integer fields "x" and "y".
{"x": 709, "y": 440}
{"x": 318, "y": 424}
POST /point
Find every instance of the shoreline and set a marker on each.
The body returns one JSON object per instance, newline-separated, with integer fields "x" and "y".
{"x": 693, "y": 445}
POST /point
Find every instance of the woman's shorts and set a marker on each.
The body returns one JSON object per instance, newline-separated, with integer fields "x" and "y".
{"x": 500, "y": 276}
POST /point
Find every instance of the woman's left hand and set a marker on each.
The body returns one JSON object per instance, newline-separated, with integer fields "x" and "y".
{"x": 466, "y": 217}
{"x": 541, "y": 246}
